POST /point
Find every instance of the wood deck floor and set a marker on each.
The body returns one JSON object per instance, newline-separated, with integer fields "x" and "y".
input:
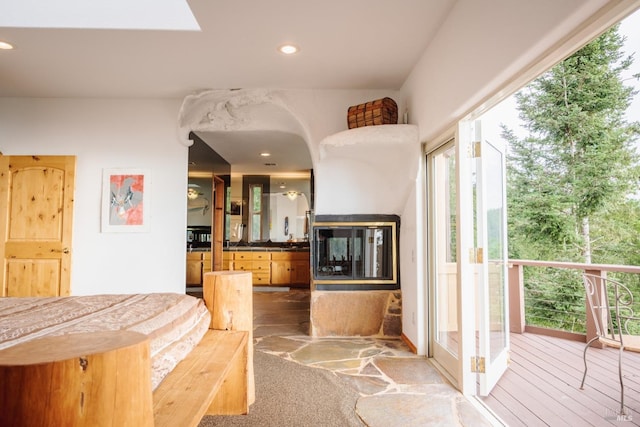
{"x": 542, "y": 385}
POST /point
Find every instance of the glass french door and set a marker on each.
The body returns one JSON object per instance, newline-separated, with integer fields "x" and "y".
{"x": 468, "y": 259}
{"x": 485, "y": 183}
{"x": 442, "y": 170}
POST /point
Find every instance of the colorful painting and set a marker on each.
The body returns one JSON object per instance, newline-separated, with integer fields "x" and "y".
{"x": 125, "y": 200}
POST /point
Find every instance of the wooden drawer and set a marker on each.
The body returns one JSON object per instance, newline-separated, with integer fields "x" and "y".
{"x": 301, "y": 256}
{"x": 242, "y": 256}
{"x": 281, "y": 256}
{"x": 258, "y": 266}
{"x": 250, "y": 256}
{"x": 289, "y": 256}
{"x": 261, "y": 256}
{"x": 242, "y": 265}
{"x": 261, "y": 278}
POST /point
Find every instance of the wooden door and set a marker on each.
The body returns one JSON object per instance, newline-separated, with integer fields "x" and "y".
{"x": 36, "y": 209}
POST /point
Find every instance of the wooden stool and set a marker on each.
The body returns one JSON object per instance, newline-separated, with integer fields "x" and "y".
{"x": 229, "y": 297}
{"x": 85, "y": 379}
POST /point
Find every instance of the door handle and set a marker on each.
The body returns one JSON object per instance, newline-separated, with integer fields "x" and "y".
{"x": 63, "y": 250}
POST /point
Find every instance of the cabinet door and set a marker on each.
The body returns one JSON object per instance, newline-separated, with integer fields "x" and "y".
{"x": 194, "y": 269}
{"x": 300, "y": 274}
{"x": 280, "y": 272}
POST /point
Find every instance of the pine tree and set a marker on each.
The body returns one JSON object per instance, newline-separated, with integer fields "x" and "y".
{"x": 578, "y": 161}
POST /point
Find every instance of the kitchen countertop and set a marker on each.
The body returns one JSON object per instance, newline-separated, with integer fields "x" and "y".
{"x": 266, "y": 249}
{"x": 255, "y": 249}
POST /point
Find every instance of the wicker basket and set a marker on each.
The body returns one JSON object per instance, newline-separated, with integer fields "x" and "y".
{"x": 379, "y": 112}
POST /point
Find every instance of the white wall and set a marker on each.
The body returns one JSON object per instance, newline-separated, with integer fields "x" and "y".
{"x": 111, "y": 134}
{"x": 479, "y": 48}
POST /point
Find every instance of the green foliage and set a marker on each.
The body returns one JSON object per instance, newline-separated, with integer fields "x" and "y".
{"x": 578, "y": 160}
{"x": 572, "y": 179}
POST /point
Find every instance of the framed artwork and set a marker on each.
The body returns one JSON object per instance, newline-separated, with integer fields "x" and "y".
{"x": 125, "y": 200}
{"x": 236, "y": 208}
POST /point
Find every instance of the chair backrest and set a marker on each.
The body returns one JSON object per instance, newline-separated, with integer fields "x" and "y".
{"x": 611, "y": 305}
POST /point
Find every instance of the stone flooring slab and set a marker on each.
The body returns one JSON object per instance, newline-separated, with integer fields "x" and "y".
{"x": 397, "y": 388}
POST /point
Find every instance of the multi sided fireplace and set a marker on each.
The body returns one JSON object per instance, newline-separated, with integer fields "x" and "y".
{"x": 355, "y": 252}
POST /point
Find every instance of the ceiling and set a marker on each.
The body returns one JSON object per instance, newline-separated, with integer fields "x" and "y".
{"x": 354, "y": 44}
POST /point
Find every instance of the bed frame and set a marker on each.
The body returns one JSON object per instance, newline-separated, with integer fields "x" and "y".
{"x": 104, "y": 378}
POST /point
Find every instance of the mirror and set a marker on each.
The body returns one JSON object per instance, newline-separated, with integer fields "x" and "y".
{"x": 281, "y": 212}
{"x": 199, "y": 192}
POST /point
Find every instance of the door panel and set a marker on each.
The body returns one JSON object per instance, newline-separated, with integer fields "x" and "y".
{"x": 493, "y": 345}
{"x": 35, "y": 225}
{"x": 442, "y": 169}
{"x": 468, "y": 258}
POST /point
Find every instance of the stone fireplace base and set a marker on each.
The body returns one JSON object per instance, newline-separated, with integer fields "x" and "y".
{"x": 356, "y": 313}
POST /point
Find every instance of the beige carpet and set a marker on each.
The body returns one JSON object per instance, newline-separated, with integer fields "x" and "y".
{"x": 291, "y": 395}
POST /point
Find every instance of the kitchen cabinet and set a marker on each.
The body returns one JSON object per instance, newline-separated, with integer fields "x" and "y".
{"x": 226, "y": 260}
{"x": 194, "y": 268}
{"x": 277, "y": 268}
{"x": 207, "y": 263}
{"x": 258, "y": 263}
{"x": 198, "y": 263}
{"x": 290, "y": 269}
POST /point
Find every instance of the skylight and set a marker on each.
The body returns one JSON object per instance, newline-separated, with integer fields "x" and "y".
{"x": 99, "y": 14}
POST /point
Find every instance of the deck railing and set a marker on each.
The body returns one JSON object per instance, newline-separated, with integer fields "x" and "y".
{"x": 579, "y": 324}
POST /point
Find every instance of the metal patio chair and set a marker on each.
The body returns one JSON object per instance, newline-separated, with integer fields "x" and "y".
{"x": 611, "y": 304}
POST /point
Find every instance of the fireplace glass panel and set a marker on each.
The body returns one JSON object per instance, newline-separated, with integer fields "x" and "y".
{"x": 355, "y": 253}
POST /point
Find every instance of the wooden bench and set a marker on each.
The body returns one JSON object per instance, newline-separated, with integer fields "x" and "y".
{"x": 211, "y": 380}
{"x": 217, "y": 377}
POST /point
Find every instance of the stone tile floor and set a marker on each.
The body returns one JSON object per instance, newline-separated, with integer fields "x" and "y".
{"x": 397, "y": 388}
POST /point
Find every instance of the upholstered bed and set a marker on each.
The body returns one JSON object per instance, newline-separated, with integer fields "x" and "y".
{"x": 174, "y": 323}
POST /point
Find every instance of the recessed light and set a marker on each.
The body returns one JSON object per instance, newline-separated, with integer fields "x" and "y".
{"x": 288, "y": 49}
{"x": 265, "y": 154}
{"x": 5, "y": 45}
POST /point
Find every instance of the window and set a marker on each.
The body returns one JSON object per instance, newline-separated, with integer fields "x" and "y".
{"x": 255, "y": 212}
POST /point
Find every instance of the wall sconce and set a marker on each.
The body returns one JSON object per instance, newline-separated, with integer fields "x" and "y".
{"x": 192, "y": 194}
{"x": 292, "y": 195}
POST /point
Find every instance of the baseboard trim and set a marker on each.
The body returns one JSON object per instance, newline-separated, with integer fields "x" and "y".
{"x": 409, "y": 344}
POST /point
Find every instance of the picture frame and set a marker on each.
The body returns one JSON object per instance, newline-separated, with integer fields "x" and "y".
{"x": 236, "y": 207}
{"x": 125, "y": 200}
